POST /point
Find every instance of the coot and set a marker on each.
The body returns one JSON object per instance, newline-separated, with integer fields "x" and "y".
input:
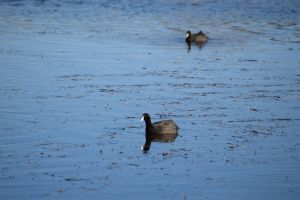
{"x": 161, "y": 131}
{"x": 198, "y": 37}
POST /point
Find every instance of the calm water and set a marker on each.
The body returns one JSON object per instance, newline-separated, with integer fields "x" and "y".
{"x": 75, "y": 77}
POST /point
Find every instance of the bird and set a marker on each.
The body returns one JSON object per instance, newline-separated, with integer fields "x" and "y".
{"x": 197, "y": 38}
{"x": 161, "y": 131}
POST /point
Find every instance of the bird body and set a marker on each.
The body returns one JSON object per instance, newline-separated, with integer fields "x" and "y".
{"x": 198, "y": 37}
{"x": 165, "y": 127}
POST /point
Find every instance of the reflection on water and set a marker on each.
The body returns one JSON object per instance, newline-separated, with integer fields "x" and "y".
{"x": 197, "y": 44}
{"x": 157, "y": 137}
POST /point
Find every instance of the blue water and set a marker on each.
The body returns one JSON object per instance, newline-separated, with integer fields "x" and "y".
{"x": 75, "y": 77}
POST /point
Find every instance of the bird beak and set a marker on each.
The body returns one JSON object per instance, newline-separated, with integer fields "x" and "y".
{"x": 142, "y": 119}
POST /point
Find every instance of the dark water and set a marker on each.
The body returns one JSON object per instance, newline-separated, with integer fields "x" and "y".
{"x": 77, "y": 75}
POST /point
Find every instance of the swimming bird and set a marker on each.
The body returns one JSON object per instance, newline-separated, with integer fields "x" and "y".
{"x": 161, "y": 131}
{"x": 197, "y": 38}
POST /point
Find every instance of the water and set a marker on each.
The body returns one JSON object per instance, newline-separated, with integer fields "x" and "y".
{"x": 77, "y": 75}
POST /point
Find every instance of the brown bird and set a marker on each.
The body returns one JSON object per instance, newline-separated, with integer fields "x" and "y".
{"x": 198, "y": 37}
{"x": 161, "y": 131}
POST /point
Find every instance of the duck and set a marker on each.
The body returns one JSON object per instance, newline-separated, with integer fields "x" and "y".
{"x": 197, "y": 38}
{"x": 161, "y": 131}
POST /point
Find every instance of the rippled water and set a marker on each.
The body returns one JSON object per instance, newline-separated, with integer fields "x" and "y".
{"x": 77, "y": 75}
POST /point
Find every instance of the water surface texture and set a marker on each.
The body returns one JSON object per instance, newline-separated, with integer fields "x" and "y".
{"x": 75, "y": 77}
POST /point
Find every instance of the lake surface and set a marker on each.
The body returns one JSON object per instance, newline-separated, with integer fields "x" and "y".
{"x": 76, "y": 76}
